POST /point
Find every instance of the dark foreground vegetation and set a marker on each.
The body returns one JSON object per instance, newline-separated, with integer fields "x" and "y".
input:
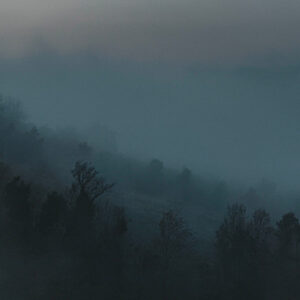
{"x": 139, "y": 232}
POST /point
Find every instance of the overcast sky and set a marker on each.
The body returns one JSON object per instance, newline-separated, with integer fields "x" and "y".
{"x": 207, "y": 31}
{"x": 210, "y": 84}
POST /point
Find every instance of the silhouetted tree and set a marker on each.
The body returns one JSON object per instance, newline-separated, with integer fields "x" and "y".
{"x": 88, "y": 181}
{"x": 87, "y": 187}
{"x": 235, "y": 250}
{"x": 171, "y": 244}
{"x": 262, "y": 235}
{"x": 261, "y": 232}
{"x": 288, "y": 232}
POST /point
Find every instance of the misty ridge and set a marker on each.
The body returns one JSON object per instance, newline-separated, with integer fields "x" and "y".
{"x": 81, "y": 220}
{"x": 238, "y": 123}
{"x": 149, "y": 150}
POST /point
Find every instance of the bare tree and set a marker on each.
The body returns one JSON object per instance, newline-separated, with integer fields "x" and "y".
{"x": 88, "y": 181}
{"x": 86, "y": 189}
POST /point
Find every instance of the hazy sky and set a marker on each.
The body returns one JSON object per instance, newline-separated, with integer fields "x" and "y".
{"x": 206, "y": 31}
{"x": 210, "y": 84}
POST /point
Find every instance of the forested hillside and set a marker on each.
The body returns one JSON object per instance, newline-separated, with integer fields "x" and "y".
{"x": 79, "y": 222}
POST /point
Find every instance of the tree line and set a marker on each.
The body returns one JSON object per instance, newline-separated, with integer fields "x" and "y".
{"x": 66, "y": 235}
{"x": 75, "y": 244}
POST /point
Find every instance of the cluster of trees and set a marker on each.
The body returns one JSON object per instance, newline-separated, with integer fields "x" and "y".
{"x": 74, "y": 225}
{"x": 256, "y": 260}
{"x": 67, "y": 235}
{"x": 83, "y": 236}
{"x": 75, "y": 244}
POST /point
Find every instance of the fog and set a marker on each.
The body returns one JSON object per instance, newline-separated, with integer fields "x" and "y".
{"x": 149, "y": 149}
{"x": 236, "y": 123}
{"x": 208, "y": 84}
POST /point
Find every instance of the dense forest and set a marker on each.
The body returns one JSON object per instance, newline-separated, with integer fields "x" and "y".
{"x": 79, "y": 222}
